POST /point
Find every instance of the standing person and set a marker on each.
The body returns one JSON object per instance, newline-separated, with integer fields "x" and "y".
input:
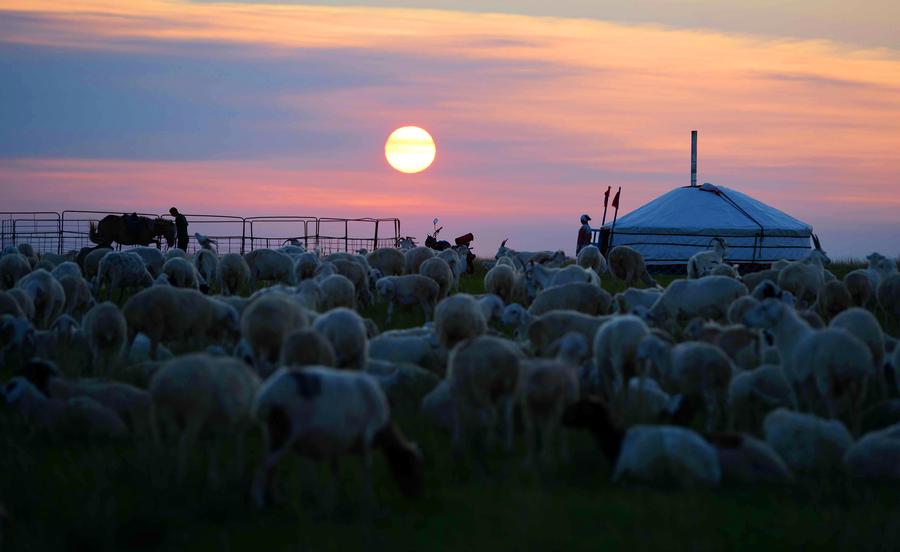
{"x": 181, "y": 234}
{"x": 584, "y": 234}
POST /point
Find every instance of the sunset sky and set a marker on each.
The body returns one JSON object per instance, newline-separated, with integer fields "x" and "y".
{"x": 253, "y": 108}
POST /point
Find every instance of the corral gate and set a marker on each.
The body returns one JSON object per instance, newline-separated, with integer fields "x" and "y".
{"x": 52, "y": 232}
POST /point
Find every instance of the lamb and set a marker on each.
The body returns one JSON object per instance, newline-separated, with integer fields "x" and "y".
{"x": 409, "y": 289}
{"x": 805, "y": 442}
{"x": 120, "y": 271}
{"x": 13, "y": 267}
{"x": 306, "y": 347}
{"x": 876, "y": 455}
{"x": 168, "y": 313}
{"x": 204, "y": 394}
{"x": 80, "y": 416}
{"x": 205, "y": 263}
{"x": 627, "y": 264}
{"x": 545, "y": 331}
{"x": 834, "y": 297}
{"x": 483, "y": 375}
{"x": 702, "y": 263}
{"x": 324, "y": 413}
{"x": 233, "y": 273}
{"x": 458, "y": 318}
{"x": 305, "y": 266}
{"x": 516, "y": 316}
{"x": 153, "y": 258}
{"x": 390, "y": 261}
{"x": 438, "y": 270}
{"x": 590, "y": 258}
{"x": 78, "y": 296}
{"x": 754, "y": 393}
{"x": 134, "y": 406}
{"x": 708, "y": 297}
{"x": 47, "y": 295}
{"x": 107, "y": 333}
{"x": 91, "y": 263}
{"x": 181, "y": 273}
{"x": 358, "y": 276}
{"x": 270, "y": 265}
{"x": 626, "y": 301}
{"x": 266, "y": 323}
{"x": 502, "y": 281}
{"x": 345, "y": 330}
{"x": 415, "y": 257}
{"x": 615, "y": 347}
{"x": 337, "y": 292}
{"x": 582, "y": 297}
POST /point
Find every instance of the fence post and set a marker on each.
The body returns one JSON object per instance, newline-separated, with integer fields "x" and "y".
{"x": 375, "y": 242}
{"x": 243, "y": 233}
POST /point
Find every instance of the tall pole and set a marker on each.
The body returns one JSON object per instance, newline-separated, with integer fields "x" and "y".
{"x": 693, "y": 158}
{"x": 605, "y": 204}
{"x": 615, "y": 214}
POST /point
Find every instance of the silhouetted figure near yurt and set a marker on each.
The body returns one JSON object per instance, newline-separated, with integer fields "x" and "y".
{"x": 584, "y": 234}
{"x": 181, "y": 232}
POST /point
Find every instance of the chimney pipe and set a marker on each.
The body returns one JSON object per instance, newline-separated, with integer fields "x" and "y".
{"x": 694, "y": 158}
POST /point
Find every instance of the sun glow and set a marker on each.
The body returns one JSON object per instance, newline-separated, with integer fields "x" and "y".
{"x": 410, "y": 149}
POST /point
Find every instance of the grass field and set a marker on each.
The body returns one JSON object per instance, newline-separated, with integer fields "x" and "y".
{"x": 64, "y": 495}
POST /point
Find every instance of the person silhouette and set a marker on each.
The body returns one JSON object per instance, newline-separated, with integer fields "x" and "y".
{"x": 181, "y": 229}
{"x": 584, "y": 234}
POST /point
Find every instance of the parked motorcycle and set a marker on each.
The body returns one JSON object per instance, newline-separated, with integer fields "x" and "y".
{"x": 463, "y": 245}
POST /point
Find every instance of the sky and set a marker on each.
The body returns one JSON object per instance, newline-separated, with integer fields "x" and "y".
{"x": 252, "y": 108}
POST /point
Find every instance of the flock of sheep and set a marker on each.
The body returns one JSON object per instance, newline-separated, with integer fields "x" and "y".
{"x": 715, "y": 378}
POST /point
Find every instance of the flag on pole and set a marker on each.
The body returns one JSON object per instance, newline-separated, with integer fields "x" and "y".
{"x": 606, "y": 196}
{"x": 615, "y": 201}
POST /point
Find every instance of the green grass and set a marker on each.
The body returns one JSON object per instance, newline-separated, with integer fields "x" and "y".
{"x": 68, "y": 495}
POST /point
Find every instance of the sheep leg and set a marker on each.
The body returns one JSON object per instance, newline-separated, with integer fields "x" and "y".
{"x": 261, "y": 491}
{"x": 188, "y": 436}
{"x": 390, "y": 313}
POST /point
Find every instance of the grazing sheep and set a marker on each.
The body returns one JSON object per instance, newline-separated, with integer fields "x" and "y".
{"x": 390, "y": 261}
{"x": 805, "y": 442}
{"x": 405, "y": 385}
{"x": 233, "y": 273}
{"x": 13, "y": 267}
{"x": 269, "y": 265}
{"x": 457, "y": 266}
{"x": 438, "y": 270}
{"x": 78, "y": 296}
{"x": 834, "y": 297}
{"x": 701, "y": 373}
{"x": 346, "y": 332}
{"x": 181, "y": 273}
{"x": 739, "y": 308}
{"x": 805, "y": 278}
{"x": 47, "y": 295}
{"x": 10, "y": 306}
{"x": 170, "y": 313}
{"x": 754, "y": 393}
{"x": 876, "y": 456}
{"x": 176, "y": 253}
{"x": 458, "y": 318}
{"x": 306, "y": 347}
{"x": 702, "y": 263}
{"x": 483, "y": 375}
{"x": 134, "y": 406}
{"x": 121, "y": 271}
{"x": 265, "y": 324}
{"x": 491, "y": 307}
{"x": 358, "y": 276}
{"x": 888, "y": 295}
{"x": 78, "y": 416}
{"x": 90, "y": 264}
{"x": 502, "y": 281}
{"x": 864, "y": 326}
{"x": 107, "y": 333}
{"x": 545, "y": 331}
{"x": 754, "y": 279}
{"x": 590, "y": 258}
{"x": 153, "y": 258}
{"x": 410, "y": 289}
{"x": 859, "y": 285}
{"x": 67, "y": 268}
{"x": 205, "y": 263}
{"x": 627, "y": 264}
{"x": 324, "y": 413}
{"x": 415, "y": 257}
{"x": 421, "y": 350}
{"x": 202, "y": 394}
{"x": 709, "y": 297}
{"x": 23, "y": 299}
{"x": 305, "y": 266}
{"x": 615, "y": 347}
{"x": 631, "y": 298}
{"x": 582, "y": 297}
{"x": 522, "y": 258}
{"x": 337, "y": 292}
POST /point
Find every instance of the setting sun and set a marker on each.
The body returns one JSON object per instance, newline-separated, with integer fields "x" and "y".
{"x": 410, "y": 149}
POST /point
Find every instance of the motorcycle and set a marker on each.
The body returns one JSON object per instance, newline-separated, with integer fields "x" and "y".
{"x": 463, "y": 243}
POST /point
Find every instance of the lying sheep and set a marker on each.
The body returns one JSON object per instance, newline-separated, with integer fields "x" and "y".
{"x": 325, "y": 413}
{"x": 13, "y": 267}
{"x": 306, "y": 347}
{"x": 345, "y": 330}
{"x": 458, "y": 318}
{"x": 415, "y": 257}
{"x": 708, "y": 297}
{"x": 438, "y": 270}
{"x": 232, "y": 273}
{"x": 46, "y": 294}
{"x": 805, "y": 442}
{"x": 106, "y": 332}
{"x": 269, "y": 265}
{"x": 390, "y": 261}
{"x": 410, "y": 289}
{"x": 200, "y": 394}
{"x": 181, "y": 273}
{"x": 590, "y": 258}
{"x": 627, "y": 264}
{"x": 121, "y": 271}
{"x": 702, "y": 263}
{"x": 266, "y": 323}
{"x": 582, "y": 297}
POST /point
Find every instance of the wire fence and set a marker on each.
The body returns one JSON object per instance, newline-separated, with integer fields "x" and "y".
{"x": 52, "y": 232}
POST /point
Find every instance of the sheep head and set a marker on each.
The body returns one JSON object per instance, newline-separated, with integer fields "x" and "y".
{"x": 765, "y": 315}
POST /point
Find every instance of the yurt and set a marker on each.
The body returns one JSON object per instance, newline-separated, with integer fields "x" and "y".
{"x": 670, "y": 229}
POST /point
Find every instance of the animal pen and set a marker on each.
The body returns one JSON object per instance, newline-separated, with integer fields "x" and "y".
{"x": 59, "y": 232}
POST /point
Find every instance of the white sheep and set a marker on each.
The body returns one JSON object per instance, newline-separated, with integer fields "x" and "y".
{"x": 702, "y": 263}
{"x": 305, "y": 266}
{"x": 739, "y": 308}
{"x": 582, "y": 297}
{"x": 615, "y": 347}
{"x": 805, "y": 442}
{"x": 67, "y": 268}
{"x": 405, "y": 385}
{"x": 153, "y": 258}
{"x": 458, "y": 318}
{"x": 626, "y": 301}
{"x": 518, "y": 317}
{"x": 805, "y": 277}
{"x": 888, "y": 295}
{"x": 324, "y": 413}
{"x": 121, "y": 270}
{"x": 106, "y": 332}
{"x": 78, "y": 296}
{"x": 205, "y": 263}
{"x": 415, "y": 257}
{"x": 10, "y": 306}
{"x": 181, "y": 273}
{"x": 23, "y": 299}
{"x": 47, "y": 295}
{"x": 862, "y": 324}
{"x": 456, "y": 264}
{"x": 346, "y": 332}
{"x": 176, "y": 253}
{"x": 269, "y": 265}
{"x": 707, "y": 297}
{"x": 627, "y": 264}
{"x": 491, "y": 307}
{"x": 590, "y": 258}
{"x": 265, "y": 324}
{"x": 233, "y": 273}
{"x": 13, "y": 267}
{"x": 483, "y": 375}
{"x": 422, "y": 350}
{"x": 91, "y": 263}
{"x": 522, "y": 258}
{"x": 833, "y": 298}
{"x": 306, "y": 347}
{"x": 545, "y": 331}
{"x": 358, "y": 276}
{"x": 410, "y": 289}
{"x": 201, "y": 394}
{"x": 337, "y": 292}
{"x": 876, "y": 455}
{"x": 390, "y": 261}
{"x": 754, "y": 279}
{"x": 504, "y": 282}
